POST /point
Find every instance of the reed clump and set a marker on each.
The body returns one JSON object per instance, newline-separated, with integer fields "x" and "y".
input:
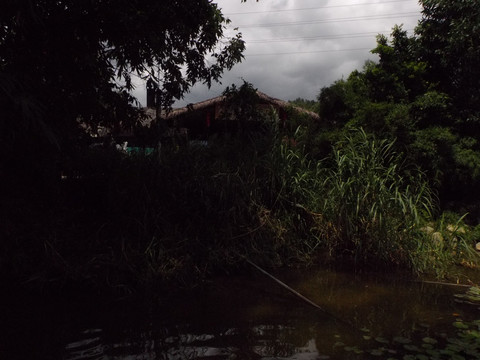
{"x": 375, "y": 204}
{"x": 370, "y": 209}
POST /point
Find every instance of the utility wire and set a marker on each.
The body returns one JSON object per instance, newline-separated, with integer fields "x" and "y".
{"x": 338, "y": 36}
{"x": 314, "y": 8}
{"x": 310, "y": 22}
{"x": 307, "y": 52}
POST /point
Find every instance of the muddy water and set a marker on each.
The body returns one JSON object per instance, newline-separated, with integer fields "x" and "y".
{"x": 240, "y": 318}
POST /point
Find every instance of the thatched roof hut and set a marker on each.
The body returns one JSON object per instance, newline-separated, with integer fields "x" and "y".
{"x": 218, "y": 102}
{"x": 212, "y": 116}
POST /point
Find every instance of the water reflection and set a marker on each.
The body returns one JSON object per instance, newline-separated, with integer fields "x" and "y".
{"x": 259, "y": 342}
{"x": 87, "y": 347}
{"x": 245, "y": 318}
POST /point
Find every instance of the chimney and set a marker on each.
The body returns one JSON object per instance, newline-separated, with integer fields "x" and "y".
{"x": 151, "y": 92}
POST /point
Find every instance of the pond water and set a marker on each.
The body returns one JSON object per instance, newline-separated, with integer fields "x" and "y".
{"x": 249, "y": 317}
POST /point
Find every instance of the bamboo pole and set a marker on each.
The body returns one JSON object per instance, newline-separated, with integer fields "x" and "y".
{"x": 443, "y": 283}
{"x": 284, "y": 285}
{"x": 296, "y": 293}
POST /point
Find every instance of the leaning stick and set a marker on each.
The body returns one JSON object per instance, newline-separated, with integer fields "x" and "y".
{"x": 308, "y": 301}
{"x": 284, "y": 285}
{"x": 443, "y": 283}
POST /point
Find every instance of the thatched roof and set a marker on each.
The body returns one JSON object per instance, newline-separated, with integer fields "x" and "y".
{"x": 219, "y": 100}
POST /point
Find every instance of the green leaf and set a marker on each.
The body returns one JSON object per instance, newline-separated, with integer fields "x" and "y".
{"x": 460, "y": 325}
{"x": 411, "y": 347}
{"x": 354, "y": 349}
{"x": 402, "y": 340}
{"x": 377, "y": 352}
{"x": 382, "y": 340}
{"x": 474, "y": 334}
{"x": 429, "y": 340}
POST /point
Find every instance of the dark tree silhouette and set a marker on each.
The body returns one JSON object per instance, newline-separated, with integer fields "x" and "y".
{"x": 66, "y": 63}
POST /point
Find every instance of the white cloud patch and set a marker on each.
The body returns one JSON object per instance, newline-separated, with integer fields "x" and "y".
{"x": 294, "y": 48}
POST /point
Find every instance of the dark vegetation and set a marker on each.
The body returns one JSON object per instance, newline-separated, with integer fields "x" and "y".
{"x": 376, "y": 184}
{"x": 65, "y": 73}
{"x": 425, "y": 93}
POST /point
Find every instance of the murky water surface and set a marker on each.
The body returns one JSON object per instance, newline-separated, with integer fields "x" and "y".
{"x": 241, "y": 318}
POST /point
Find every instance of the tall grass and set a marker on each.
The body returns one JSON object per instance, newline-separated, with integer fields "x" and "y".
{"x": 359, "y": 205}
{"x": 374, "y": 204}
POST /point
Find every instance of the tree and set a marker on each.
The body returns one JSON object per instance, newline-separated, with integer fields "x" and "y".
{"x": 67, "y": 65}
{"x": 310, "y": 105}
{"x": 449, "y": 38}
{"x": 399, "y": 76}
{"x": 241, "y": 104}
{"x": 332, "y": 104}
{"x": 424, "y": 92}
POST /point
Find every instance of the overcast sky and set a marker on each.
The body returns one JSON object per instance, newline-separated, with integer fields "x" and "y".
{"x": 296, "y": 47}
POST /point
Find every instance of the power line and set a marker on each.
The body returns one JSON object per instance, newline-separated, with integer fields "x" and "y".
{"x": 314, "y": 8}
{"x": 338, "y": 36}
{"x": 310, "y": 22}
{"x": 307, "y": 52}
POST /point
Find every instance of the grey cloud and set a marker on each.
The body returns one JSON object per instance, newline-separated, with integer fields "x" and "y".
{"x": 312, "y": 63}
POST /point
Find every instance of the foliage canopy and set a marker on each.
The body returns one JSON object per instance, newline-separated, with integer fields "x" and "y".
{"x": 65, "y": 62}
{"x": 424, "y": 92}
